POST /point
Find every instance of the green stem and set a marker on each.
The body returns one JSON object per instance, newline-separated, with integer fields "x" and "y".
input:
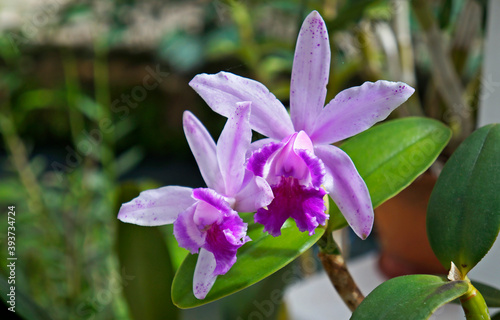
{"x": 474, "y": 306}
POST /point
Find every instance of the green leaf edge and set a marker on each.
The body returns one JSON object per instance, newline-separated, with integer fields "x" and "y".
{"x": 191, "y": 258}
{"x": 463, "y": 285}
{"x": 337, "y": 220}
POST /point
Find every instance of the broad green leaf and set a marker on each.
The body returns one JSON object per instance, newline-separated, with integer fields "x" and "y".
{"x": 391, "y": 155}
{"x": 145, "y": 266}
{"x": 257, "y": 259}
{"x": 463, "y": 217}
{"x": 23, "y": 305}
{"x": 409, "y": 297}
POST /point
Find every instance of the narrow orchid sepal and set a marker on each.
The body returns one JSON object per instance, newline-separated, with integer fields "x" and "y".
{"x": 310, "y": 71}
{"x": 232, "y": 146}
{"x": 204, "y": 150}
{"x": 204, "y": 276}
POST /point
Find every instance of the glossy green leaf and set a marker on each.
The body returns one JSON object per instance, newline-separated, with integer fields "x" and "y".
{"x": 391, "y": 155}
{"x": 409, "y": 297}
{"x": 145, "y": 267}
{"x": 463, "y": 217}
{"x": 257, "y": 259}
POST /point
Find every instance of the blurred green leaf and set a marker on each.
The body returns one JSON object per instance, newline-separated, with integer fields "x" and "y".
{"x": 145, "y": 265}
{"x": 183, "y": 51}
{"x": 391, "y": 155}
{"x": 409, "y": 297}
{"x": 257, "y": 259}
{"x": 24, "y": 305}
{"x": 90, "y": 108}
{"x": 41, "y": 98}
{"x": 128, "y": 160}
{"x": 351, "y": 12}
{"x": 463, "y": 217}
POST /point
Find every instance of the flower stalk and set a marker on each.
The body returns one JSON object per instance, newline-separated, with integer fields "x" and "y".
{"x": 336, "y": 269}
{"x": 473, "y": 303}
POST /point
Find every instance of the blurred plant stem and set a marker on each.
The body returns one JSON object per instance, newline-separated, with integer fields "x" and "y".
{"x": 19, "y": 157}
{"x": 102, "y": 97}
{"x": 445, "y": 76}
{"x": 76, "y": 122}
{"x": 336, "y": 269}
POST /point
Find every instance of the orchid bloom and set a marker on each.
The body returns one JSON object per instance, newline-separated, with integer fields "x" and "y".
{"x": 206, "y": 220}
{"x": 298, "y": 159}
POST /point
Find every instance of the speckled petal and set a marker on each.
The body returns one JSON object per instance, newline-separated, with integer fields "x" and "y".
{"x": 311, "y": 68}
{"x": 357, "y": 109}
{"x": 156, "y": 207}
{"x": 204, "y": 277}
{"x": 348, "y": 189}
{"x": 223, "y": 90}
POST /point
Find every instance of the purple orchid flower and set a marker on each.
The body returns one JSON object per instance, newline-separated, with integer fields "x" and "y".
{"x": 206, "y": 220}
{"x": 298, "y": 159}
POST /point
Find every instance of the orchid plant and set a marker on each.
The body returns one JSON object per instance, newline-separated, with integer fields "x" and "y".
{"x": 255, "y": 189}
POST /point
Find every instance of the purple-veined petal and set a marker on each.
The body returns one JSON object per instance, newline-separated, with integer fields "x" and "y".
{"x": 232, "y": 146}
{"x": 357, "y": 109}
{"x": 223, "y": 90}
{"x": 311, "y": 68}
{"x": 204, "y": 151}
{"x": 256, "y": 193}
{"x": 187, "y": 232}
{"x": 204, "y": 277}
{"x": 291, "y": 199}
{"x": 348, "y": 189}
{"x": 224, "y": 239}
{"x": 156, "y": 207}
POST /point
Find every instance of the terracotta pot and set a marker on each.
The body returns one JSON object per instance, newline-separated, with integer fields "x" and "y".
{"x": 401, "y": 230}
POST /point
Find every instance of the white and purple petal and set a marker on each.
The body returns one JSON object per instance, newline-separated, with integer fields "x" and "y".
{"x": 311, "y": 68}
{"x": 255, "y": 193}
{"x": 223, "y": 90}
{"x": 204, "y": 277}
{"x": 204, "y": 151}
{"x": 187, "y": 232}
{"x": 232, "y": 146}
{"x": 357, "y": 109}
{"x": 156, "y": 207}
{"x": 347, "y": 189}
{"x": 224, "y": 239}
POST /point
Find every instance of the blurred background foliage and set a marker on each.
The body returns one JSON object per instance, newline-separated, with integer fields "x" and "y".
{"x": 91, "y": 101}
